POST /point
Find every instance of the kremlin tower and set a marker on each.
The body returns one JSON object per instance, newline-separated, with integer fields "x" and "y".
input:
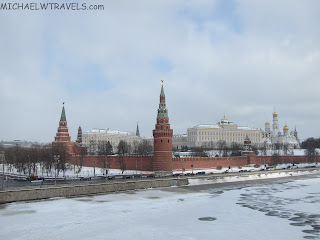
{"x": 62, "y": 133}
{"x": 62, "y": 136}
{"x": 79, "y": 136}
{"x": 137, "y": 131}
{"x": 162, "y": 134}
{"x": 276, "y": 130}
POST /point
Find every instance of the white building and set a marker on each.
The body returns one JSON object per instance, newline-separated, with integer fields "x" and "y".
{"x": 225, "y": 130}
{"x": 91, "y": 138}
{"x": 277, "y": 137}
{"x": 179, "y": 141}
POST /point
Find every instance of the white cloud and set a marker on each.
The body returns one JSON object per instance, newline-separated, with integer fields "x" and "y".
{"x": 240, "y": 63}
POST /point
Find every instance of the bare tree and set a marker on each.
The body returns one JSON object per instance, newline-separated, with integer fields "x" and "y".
{"x": 235, "y": 149}
{"x": 122, "y": 151}
{"x": 264, "y": 148}
{"x": 275, "y": 159}
{"x": 145, "y": 148}
{"x": 81, "y": 151}
{"x": 47, "y": 159}
{"x": 135, "y": 147}
{"x": 92, "y": 148}
{"x": 311, "y": 152}
{"x": 255, "y": 149}
{"x": 105, "y": 149}
{"x": 60, "y": 150}
{"x": 199, "y": 152}
{"x": 222, "y": 147}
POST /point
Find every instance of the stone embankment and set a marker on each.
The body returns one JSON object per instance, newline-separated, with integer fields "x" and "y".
{"x": 44, "y": 192}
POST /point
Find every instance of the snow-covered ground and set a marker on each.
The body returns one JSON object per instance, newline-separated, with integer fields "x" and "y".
{"x": 71, "y": 172}
{"x": 282, "y": 209}
{"x": 269, "y": 152}
{"x": 248, "y": 168}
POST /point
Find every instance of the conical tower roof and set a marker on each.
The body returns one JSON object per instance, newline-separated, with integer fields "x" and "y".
{"x": 63, "y": 114}
{"x": 137, "y": 131}
{"x": 162, "y": 110}
{"x": 162, "y": 91}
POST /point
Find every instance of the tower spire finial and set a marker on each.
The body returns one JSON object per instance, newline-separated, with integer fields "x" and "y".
{"x": 63, "y": 114}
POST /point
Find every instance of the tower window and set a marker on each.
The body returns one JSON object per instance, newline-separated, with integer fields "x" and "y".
{"x": 168, "y": 141}
{"x": 161, "y": 140}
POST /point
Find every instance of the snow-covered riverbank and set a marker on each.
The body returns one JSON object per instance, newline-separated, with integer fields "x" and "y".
{"x": 278, "y": 209}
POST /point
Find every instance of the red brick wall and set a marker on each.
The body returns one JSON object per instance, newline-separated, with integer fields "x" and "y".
{"x": 131, "y": 162}
{"x": 134, "y": 162}
{"x": 208, "y": 162}
{"x": 212, "y": 162}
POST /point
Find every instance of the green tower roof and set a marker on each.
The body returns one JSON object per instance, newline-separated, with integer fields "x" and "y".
{"x": 162, "y": 111}
{"x": 162, "y": 91}
{"x": 63, "y": 115}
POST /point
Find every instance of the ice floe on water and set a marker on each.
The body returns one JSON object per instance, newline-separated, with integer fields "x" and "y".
{"x": 281, "y": 209}
{"x": 296, "y": 201}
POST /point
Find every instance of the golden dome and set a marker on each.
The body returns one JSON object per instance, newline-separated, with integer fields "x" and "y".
{"x": 275, "y": 114}
{"x": 285, "y": 128}
{"x": 267, "y": 122}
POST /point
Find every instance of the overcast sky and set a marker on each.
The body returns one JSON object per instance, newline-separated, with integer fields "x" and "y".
{"x": 238, "y": 58}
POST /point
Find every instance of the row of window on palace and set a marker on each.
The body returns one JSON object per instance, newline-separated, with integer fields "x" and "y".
{"x": 111, "y": 140}
{"x": 219, "y": 138}
{"x": 231, "y": 134}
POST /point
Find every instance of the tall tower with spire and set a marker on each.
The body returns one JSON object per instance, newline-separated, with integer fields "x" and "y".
{"x": 275, "y": 125}
{"x": 137, "y": 131}
{"x": 79, "y": 136}
{"x": 162, "y": 134}
{"x": 62, "y": 134}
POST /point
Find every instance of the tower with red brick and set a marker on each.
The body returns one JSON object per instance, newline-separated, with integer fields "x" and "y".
{"x": 79, "y": 136}
{"x": 62, "y": 136}
{"x": 162, "y": 135}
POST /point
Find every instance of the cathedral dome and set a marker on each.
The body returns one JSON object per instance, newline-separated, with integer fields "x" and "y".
{"x": 275, "y": 114}
{"x": 285, "y": 128}
{"x": 267, "y": 123}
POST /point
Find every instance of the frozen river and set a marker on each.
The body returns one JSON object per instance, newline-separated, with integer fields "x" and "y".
{"x": 268, "y": 209}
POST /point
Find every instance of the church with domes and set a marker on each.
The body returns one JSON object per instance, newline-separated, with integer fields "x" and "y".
{"x": 275, "y": 136}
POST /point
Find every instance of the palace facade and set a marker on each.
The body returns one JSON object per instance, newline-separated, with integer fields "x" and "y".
{"x": 91, "y": 139}
{"x": 208, "y": 135}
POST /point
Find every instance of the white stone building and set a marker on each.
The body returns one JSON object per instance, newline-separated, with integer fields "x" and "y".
{"x": 91, "y": 138}
{"x": 225, "y": 130}
{"x": 275, "y": 135}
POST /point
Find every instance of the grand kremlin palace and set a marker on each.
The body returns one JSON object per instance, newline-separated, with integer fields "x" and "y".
{"x": 225, "y": 130}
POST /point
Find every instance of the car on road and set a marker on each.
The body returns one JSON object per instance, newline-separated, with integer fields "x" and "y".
{"x": 85, "y": 178}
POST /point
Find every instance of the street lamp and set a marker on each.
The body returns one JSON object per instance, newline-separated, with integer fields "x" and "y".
{"x": 56, "y": 160}
{"x": 182, "y": 166}
{"x": 2, "y": 156}
{"x": 192, "y": 165}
